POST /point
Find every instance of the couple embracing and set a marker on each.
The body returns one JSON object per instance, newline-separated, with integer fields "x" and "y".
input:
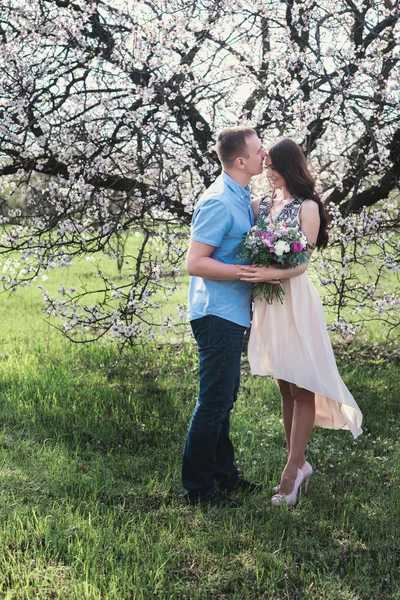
{"x": 288, "y": 340}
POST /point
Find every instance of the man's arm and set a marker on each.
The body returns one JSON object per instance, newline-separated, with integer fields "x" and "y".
{"x": 200, "y": 263}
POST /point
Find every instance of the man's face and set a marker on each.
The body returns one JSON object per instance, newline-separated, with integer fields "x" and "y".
{"x": 253, "y": 165}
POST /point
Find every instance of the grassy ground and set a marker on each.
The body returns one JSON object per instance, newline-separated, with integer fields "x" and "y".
{"x": 90, "y": 492}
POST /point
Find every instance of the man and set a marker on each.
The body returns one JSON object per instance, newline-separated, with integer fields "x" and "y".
{"x": 219, "y": 312}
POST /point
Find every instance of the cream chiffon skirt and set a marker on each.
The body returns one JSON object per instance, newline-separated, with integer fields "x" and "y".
{"x": 290, "y": 341}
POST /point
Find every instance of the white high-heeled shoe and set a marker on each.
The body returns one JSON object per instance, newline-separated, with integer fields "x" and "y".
{"x": 307, "y": 472}
{"x": 291, "y": 498}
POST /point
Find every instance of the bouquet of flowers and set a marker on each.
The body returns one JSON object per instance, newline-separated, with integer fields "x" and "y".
{"x": 278, "y": 245}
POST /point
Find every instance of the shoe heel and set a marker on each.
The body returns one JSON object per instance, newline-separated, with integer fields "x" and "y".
{"x": 307, "y": 472}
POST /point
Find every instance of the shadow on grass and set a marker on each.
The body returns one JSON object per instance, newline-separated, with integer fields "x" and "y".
{"x": 91, "y": 395}
{"x": 90, "y": 424}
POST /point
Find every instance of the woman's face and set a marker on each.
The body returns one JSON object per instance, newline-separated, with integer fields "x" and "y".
{"x": 276, "y": 180}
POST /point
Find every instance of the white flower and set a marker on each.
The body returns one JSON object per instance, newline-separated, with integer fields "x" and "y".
{"x": 281, "y": 247}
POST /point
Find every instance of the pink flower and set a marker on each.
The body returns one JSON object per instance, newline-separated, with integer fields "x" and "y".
{"x": 297, "y": 247}
{"x": 266, "y": 239}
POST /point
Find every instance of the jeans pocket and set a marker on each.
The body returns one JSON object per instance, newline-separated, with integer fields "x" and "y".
{"x": 218, "y": 332}
{"x": 201, "y": 330}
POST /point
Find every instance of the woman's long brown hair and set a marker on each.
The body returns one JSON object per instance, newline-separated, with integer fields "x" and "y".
{"x": 289, "y": 161}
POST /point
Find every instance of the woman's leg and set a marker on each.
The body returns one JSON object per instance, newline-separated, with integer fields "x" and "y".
{"x": 301, "y": 429}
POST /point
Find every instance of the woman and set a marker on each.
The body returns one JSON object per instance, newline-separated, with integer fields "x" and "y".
{"x": 290, "y": 341}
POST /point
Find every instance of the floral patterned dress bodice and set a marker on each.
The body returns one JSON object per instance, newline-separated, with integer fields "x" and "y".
{"x": 288, "y": 214}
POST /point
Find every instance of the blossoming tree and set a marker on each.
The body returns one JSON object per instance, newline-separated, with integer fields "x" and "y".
{"x": 108, "y": 116}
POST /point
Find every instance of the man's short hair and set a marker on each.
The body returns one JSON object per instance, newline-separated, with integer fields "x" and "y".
{"x": 231, "y": 143}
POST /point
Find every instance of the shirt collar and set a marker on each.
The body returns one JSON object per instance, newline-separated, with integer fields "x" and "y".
{"x": 236, "y": 187}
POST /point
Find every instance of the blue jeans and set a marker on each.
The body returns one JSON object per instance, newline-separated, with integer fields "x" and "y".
{"x": 208, "y": 457}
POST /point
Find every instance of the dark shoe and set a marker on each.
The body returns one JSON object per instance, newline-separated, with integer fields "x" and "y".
{"x": 218, "y": 499}
{"x": 244, "y": 485}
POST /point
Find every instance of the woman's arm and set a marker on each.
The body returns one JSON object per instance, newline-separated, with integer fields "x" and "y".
{"x": 309, "y": 224}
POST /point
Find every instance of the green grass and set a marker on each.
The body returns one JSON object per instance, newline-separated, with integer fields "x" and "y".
{"x": 90, "y": 492}
{"x": 26, "y": 307}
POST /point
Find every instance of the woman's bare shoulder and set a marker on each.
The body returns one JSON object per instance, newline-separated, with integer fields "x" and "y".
{"x": 310, "y": 206}
{"x": 309, "y": 212}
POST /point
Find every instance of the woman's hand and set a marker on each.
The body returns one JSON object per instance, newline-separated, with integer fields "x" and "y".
{"x": 256, "y": 274}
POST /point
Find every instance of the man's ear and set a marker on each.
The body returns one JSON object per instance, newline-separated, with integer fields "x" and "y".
{"x": 239, "y": 163}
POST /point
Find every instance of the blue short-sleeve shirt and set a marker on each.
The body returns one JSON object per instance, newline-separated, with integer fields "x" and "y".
{"x": 221, "y": 218}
